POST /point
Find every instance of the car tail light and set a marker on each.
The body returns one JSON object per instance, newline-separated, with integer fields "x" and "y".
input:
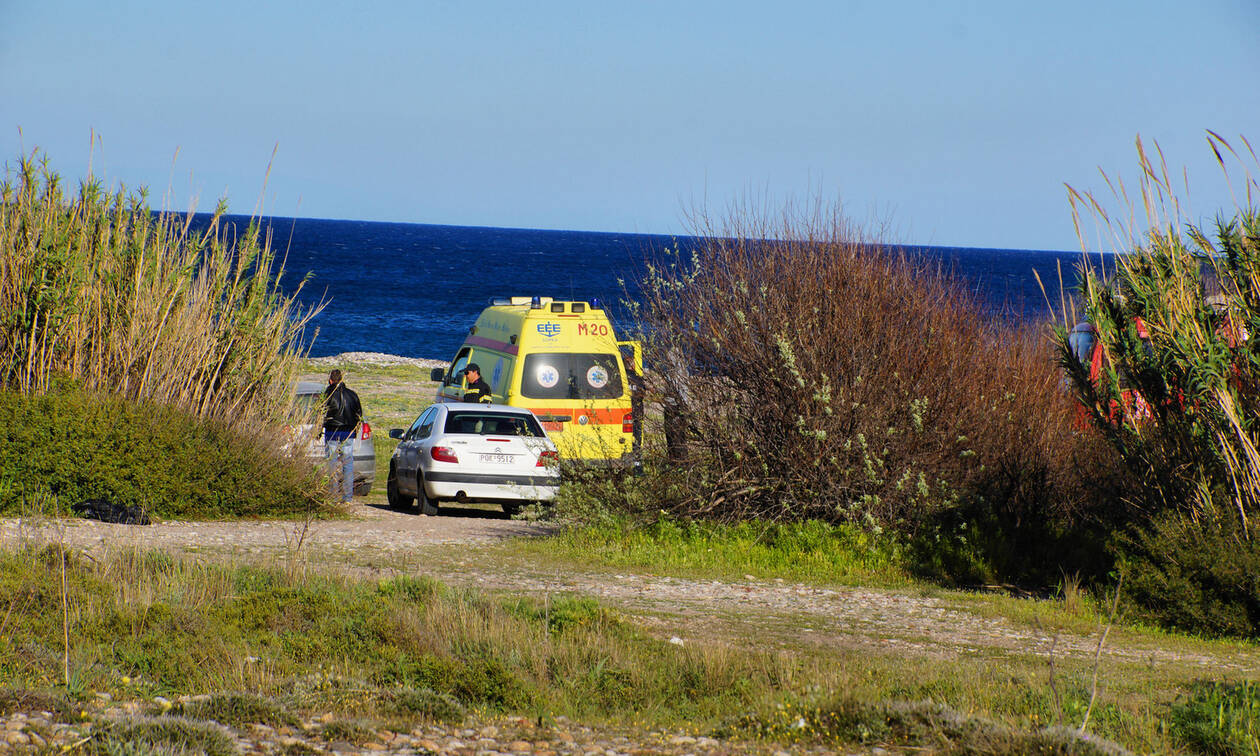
{"x": 443, "y": 454}
{"x": 627, "y": 423}
{"x": 367, "y": 431}
{"x": 548, "y": 457}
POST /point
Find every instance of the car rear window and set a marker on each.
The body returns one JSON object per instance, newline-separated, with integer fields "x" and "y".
{"x": 571, "y": 376}
{"x": 492, "y": 424}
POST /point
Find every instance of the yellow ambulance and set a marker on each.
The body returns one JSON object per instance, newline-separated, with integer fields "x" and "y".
{"x": 562, "y": 361}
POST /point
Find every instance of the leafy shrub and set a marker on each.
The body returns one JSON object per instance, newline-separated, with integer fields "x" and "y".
{"x": 1219, "y": 718}
{"x": 348, "y": 730}
{"x": 166, "y": 734}
{"x": 238, "y": 710}
{"x": 1196, "y": 576}
{"x": 918, "y": 726}
{"x": 423, "y": 702}
{"x": 77, "y": 445}
{"x": 805, "y": 372}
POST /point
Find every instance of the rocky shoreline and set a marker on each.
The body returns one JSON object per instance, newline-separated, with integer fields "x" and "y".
{"x": 373, "y": 358}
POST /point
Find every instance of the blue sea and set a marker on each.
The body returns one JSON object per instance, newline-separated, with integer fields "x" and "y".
{"x": 414, "y": 289}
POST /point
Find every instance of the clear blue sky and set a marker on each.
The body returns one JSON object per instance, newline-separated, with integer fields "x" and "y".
{"x": 960, "y": 121}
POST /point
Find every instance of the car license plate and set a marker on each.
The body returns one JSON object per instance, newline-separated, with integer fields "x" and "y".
{"x": 497, "y": 459}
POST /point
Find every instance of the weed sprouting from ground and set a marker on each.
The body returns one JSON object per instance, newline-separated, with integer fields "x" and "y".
{"x": 160, "y": 735}
{"x": 1219, "y": 718}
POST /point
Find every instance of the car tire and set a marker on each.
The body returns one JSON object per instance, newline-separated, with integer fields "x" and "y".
{"x": 362, "y": 487}
{"x": 428, "y": 505}
{"x": 511, "y": 508}
{"x": 395, "y": 497}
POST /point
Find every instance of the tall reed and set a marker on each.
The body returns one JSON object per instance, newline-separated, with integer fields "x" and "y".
{"x": 1195, "y": 445}
{"x": 97, "y": 286}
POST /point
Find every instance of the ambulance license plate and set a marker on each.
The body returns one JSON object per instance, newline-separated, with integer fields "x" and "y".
{"x": 497, "y": 459}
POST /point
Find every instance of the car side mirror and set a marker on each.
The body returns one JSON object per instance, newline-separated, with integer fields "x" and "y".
{"x": 396, "y": 433}
{"x": 437, "y": 374}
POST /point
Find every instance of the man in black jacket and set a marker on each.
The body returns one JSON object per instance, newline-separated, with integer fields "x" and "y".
{"x": 478, "y": 389}
{"x": 342, "y": 416}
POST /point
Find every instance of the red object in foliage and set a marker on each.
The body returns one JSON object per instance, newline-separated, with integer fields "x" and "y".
{"x": 1085, "y": 344}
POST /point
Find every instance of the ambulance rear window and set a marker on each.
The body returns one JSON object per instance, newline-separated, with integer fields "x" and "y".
{"x": 571, "y": 376}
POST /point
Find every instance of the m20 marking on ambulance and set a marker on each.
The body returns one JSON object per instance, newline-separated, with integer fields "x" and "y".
{"x": 592, "y": 329}
{"x": 549, "y": 330}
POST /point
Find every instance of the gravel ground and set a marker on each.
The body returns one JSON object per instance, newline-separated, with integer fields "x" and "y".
{"x": 376, "y": 539}
{"x": 777, "y": 613}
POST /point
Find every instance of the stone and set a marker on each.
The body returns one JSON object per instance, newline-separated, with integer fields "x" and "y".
{"x": 428, "y": 745}
{"x": 489, "y": 731}
{"x": 16, "y": 738}
{"x": 520, "y": 746}
{"x": 36, "y": 740}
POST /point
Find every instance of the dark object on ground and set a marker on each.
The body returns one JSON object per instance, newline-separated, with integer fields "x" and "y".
{"x": 100, "y": 509}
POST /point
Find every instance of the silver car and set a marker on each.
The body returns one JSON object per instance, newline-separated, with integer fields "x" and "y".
{"x": 472, "y": 452}
{"x": 311, "y": 394}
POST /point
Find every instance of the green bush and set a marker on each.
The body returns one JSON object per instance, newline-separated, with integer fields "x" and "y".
{"x": 921, "y": 725}
{"x": 1219, "y": 718}
{"x": 75, "y": 445}
{"x": 1196, "y": 576}
{"x": 238, "y": 710}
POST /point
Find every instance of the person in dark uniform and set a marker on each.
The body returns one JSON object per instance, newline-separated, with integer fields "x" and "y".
{"x": 342, "y": 417}
{"x": 478, "y": 389}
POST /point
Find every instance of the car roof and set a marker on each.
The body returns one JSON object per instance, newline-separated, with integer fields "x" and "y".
{"x": 494, "y": 409}
{"x": 309, "y": 387}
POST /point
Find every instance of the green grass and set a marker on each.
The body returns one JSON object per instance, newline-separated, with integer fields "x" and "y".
{"x": 269, "y": 646}
{"x": 1219, "y": 718}
{"x": 811, "y": 551}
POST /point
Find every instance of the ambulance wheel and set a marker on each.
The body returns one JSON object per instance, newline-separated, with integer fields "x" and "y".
{"x": 393, "y": 495}
{"x": 510, "y": 508}
{"x": 428, "y": 505}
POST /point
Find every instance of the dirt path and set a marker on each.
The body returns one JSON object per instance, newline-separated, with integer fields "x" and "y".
{"x": 776, "y": 613}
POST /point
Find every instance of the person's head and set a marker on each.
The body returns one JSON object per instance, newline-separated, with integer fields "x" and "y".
{"x": 334, "y": 377}
{"x": 472, "y": 372}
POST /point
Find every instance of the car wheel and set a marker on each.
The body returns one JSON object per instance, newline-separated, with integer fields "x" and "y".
{"x": 362, "y": 488}
{"x": 511, "y": 508}
{"x": 428, "y": 505}
{"x": 395, "y": 497}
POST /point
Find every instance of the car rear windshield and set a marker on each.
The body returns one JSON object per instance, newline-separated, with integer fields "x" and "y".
{"x": 571, "y": 376}
{"x": 492, "y": 424}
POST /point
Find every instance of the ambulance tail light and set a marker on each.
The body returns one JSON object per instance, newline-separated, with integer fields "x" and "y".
{"x": 443, "y": 454}
{"x": 627, "y": 423}
{"x": 367, "y": 431}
